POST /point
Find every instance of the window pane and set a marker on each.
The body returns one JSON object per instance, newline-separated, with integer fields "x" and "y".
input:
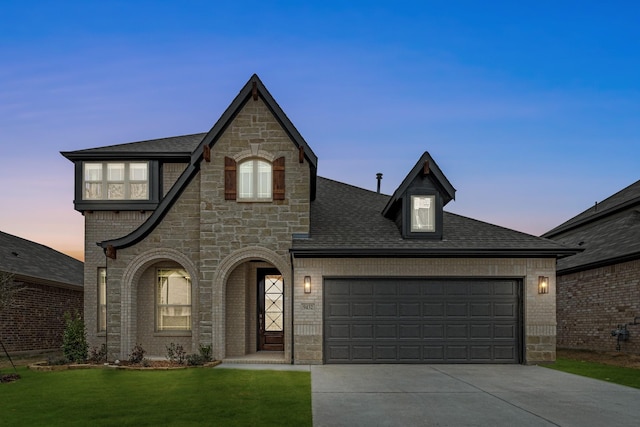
{"x": 115, "y": 171}
{"x": 174, "y": 300}
{"x": 138, "y": 171}
{"x": 93, "y": 171}
{"x": 115, "y": 191}
{"x": 92, "y": 191}
{"x": 264, "y": 180}
{"x": 102, "y": 299}
{"x": 423, "y": 213}
{"x": 245, "y": 181}
{"x": 138, "y": 191}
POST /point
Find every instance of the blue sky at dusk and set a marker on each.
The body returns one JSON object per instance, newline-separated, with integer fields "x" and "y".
{"x": 531, "y": 109}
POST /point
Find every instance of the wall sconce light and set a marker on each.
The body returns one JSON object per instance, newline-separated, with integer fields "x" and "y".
{"x": 543, "y": 285}
{"x": 307, "y": 284}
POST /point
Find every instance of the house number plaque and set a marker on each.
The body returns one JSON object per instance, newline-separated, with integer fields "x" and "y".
{"x": 308, "y": 306}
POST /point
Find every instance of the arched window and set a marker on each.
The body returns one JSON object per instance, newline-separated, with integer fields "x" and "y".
{"x": 254, "y": 180}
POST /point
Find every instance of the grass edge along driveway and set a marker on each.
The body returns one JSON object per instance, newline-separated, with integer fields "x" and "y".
{"x": 185, "y": 397}
{"x": 614, "y": 374}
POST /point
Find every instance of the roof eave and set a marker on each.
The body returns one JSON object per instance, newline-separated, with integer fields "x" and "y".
{"x": 430, "y": 253}
{"x": 126, "y": 155}
{"x": 601, "y": 263}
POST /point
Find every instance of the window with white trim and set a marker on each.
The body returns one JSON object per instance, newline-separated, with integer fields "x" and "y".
{"x": 423, "y": 214}
{"x": 115, "y": 181}
{"x": 173, "y": 300}
{"x": 102, "y": 299}
{"x": 255, "y": 180}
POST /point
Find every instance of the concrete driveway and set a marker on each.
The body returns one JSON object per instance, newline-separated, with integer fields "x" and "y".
{"x": 466, "y": 395}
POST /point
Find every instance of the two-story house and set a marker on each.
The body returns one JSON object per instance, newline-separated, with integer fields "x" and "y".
{"x": 230, "y": 238}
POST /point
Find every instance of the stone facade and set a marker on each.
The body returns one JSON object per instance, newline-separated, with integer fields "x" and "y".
{"x": 35, "y": 322}
{"x": 216, "y": 240}
{"x": 592, "y": 303}
{"x": 539, "y": 310}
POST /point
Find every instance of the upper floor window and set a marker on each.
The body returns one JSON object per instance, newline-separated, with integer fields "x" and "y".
{"x": 254, "y": 180}
{"x": 116, "y": 181}
{"x": 173, "y": 298}
{"x": 423, "y": 214}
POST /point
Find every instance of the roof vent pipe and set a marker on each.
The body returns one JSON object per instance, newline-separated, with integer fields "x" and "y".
{"x": 379, "y": 178}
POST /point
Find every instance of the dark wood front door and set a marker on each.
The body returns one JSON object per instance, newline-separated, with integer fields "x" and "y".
{"x": 270, "y": 310}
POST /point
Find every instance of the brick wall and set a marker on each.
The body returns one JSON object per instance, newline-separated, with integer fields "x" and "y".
{"x": 592, "y": 303}
{"x": 36, "y": 321}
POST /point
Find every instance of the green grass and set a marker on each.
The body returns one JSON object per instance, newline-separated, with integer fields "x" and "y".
{"x": 186, "y": 397}
{"x": 614, "y": 374}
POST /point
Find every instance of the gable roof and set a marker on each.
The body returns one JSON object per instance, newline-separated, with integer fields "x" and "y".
{"x": 358, "y": 229}
{"x": 608, "y": 232}
{"x": 425, "y": 162}
{"x": 254, "y": 88}
{"x": 27, "y": 259}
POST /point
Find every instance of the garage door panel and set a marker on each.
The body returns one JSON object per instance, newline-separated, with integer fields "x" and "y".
{"x": 389, "y": 309}
{"x": 422, "y": 321}
{"x": 433, "y": 309}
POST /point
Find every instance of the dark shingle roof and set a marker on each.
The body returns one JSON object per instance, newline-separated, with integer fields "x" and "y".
{"x": 26, "y": 258}
{"x": 608, "y": 232}
{"x": 606, "y": 241}
{"x": 176, "y": 145}
{"x": 625, "y": 198}
{"x": 349, "y": 220}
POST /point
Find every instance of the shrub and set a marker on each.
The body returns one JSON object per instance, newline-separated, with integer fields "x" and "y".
{"x": 195, "y": 360}
{"x": 74, "y": 339}
{"x": 137, "y": 354}
{"x": 205, "y": 352}
{"x": 176, "y": 353}
{"x": 98, "y": 355}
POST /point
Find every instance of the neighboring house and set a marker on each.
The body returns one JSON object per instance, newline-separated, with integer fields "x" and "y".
{"x": 230, "y": 239}
{"x": 52, "y": 285}
{"x": 599, "y": 288}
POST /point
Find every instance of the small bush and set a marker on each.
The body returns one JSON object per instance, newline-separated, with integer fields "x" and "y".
{"x": 137, "y": 354}
{"x": 205, "y": 352}
{"x": 195, "y": 360}
{"x": 74, "y": 338}
{"x": 98, "y": 355}
{"x": 146, "y": 362}
{"x": 176, "y": 353}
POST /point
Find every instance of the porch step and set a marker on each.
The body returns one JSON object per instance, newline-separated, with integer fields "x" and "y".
{"x": 271, "y": 358}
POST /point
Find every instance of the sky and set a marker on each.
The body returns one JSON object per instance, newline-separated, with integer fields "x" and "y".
{"x": 531, "y": 109}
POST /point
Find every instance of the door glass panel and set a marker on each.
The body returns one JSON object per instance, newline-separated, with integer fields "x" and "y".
{"x": 273, "y": 302}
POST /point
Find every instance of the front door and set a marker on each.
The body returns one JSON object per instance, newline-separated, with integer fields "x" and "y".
{"x": 270, "y": 310}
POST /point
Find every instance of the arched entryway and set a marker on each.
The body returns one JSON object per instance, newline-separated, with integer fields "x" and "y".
{"x": 255, "y": 316}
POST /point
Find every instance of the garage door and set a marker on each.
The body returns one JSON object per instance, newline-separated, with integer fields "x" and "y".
{"x": 421, "y": 321}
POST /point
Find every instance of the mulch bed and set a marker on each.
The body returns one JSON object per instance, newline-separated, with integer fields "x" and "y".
{"x": 8, "y": 378}
{"x": 614, "y": 358}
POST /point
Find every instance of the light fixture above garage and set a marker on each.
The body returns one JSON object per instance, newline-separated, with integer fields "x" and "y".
{"x": 307, "y": 284}
{"x": 543, "y": 285}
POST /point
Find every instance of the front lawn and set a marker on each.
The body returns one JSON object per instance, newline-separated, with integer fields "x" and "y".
{"x": 185, "y": 397}
{"x": 615, "y": 374}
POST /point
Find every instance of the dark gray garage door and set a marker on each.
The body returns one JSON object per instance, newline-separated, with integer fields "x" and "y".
{"x": 421, "y": 321}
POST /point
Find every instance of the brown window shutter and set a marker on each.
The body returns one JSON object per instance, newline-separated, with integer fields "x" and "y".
{"x": 278, "y": 179}
{"x": 229, "y": 179}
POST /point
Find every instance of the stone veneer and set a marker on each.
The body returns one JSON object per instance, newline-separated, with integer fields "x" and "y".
{"x": 208, "y": 236}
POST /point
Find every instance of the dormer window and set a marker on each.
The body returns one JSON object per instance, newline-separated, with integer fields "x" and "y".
{"x": 423, "y": 214}
{"x": 115, "y": 181}
{"x": 254, "y": 180}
